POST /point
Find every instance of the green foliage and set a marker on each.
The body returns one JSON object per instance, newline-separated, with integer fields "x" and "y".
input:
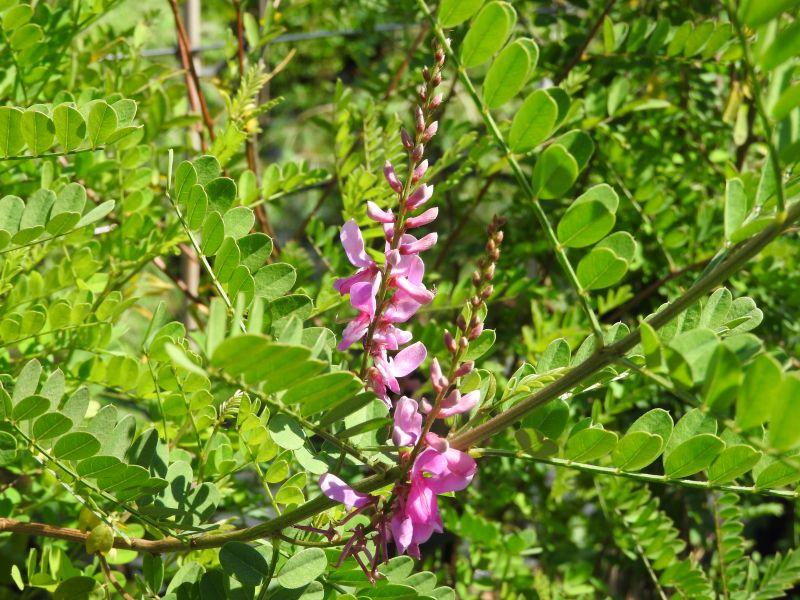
{"x": 170, "y": 383}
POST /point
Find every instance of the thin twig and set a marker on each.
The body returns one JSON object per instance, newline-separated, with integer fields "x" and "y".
{"x": 112, "y": 578}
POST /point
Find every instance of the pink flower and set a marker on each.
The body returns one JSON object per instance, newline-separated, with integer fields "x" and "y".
{"x": 336, "y": 489}
{"x": 362, "y": 298}
{"x": 423, "y": 219}
{"x": 377, "y": 214}
{"x": 407, "y": 422}
{"x": 419, "y": 196}
{"x": 437, "y": 470}
{"x": 454, "y": 403}
{"x": 353, "y": 245}
{"x": 386, "y": 372}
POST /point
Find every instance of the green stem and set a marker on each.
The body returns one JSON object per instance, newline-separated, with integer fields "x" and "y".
{"x": 637, "y": 476}
{"x": 522, "y": 180}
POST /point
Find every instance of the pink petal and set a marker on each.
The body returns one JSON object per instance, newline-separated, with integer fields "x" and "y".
{"x": 423, "y": 219}
{"x": 354, "y": 244}
{"x": 336, "y": 489}
{"x": 402, "y": 531}
{"x": 408, "y": 359}
{"x": 362, "y": 297}
{"x": 354, "y": 331}
{"x": 376, "y": 213}
{"x": 344, "y": 284}
{"x": 420, "y": 171}
{"x": 417, "y": 292}
{"x": 420, "y": 245}
{"x": 456, "y": 404}
{"x": 419, "y": 196}
{"x": 407, "y": 422}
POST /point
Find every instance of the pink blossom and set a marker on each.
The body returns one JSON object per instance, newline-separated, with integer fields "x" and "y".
{"x": 336, "y": 489}
{"x": 353, "y": 245}
{"x": 407, "y": 422}
{"x": 377, "y": 214}
{"x": 419, "y": 196}
{"x": 454, "y": 403}
{"x": 387, "y": 371}
{"x": 423, "y": 219}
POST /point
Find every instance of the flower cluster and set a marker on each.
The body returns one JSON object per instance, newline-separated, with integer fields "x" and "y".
{"x": 386, "y": 295}
{"x": 390, "y": 294}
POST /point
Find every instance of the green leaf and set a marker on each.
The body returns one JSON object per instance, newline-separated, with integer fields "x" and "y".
{"x": 286, "y": 432}
{"x": 554, "y": 173}
{"x": 776, "y": 474}
{"x": 590, "y": 444}
{"x": 30, "y": 408}
{"x": 617, "y": 92}
{"x": 488, "y": 33}
{"x": 689, "y": 354}
{"x": 755, "y": 399}
{"x": 97, "y": 213}
{"x": 185, "y": 180}
{"x": 244, "y": 562}
{"x": 213, "y": 233}
{"x": 481, "y": 345}
{"x": 38, "y": 131}
{"x": 589, "y": 218}
{"x": 70, "y": 128}
{"x": 723, "y": 378}
{"x": 221, "y": 193}
{"x": 26, "y": 36}
{"x": 196, "y": 207}
{"x": 226, "y": 260}
{"x": 785, "y": 46}
{"x": 8, "y": 448}
{"x": 274, "y": 280}
{"x": 303, "y": 568}
{"x": 238, "y": 221}
{"x": 736, "y": 206}
{"x": 784, "y": 426}
{"x": 11, "y": 138}
{"x": 101, "y": 123}
{"x": 786, "y": 103}
{"x": 455, "y": 12}
{"x": 694, "y": 422}
{"x": 550, "y": 418}
{"x": 600, "y": 268}
{"x": 507, "y": 75}
{"x": 756, "y": 12}
{"x": 256, "y": 249}
{"x": 321, "y": 392}
{"x": 533, "y": 122}
{"x": 732, "y": 462}
{"x": 636, "y": 450}
{"x": 76, "y": 445}
{"x": 693, "y": 455}
{"x": 579, "y": 145}
{"x": 51, "y": 425}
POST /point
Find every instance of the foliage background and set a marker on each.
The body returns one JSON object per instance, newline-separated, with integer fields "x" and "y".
{"x": 674, "y": 129}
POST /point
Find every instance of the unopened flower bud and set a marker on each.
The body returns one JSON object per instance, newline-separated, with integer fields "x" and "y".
{"x": 419, "y": 119}
{"x": 498, "y": 237}
{"x": 439, "y": 54}
{"x": 449, "y": 342}
{"x": 487, "y": 291}
{"x": 422, "y": 93}
{"x": 419, "y": 171}
{"x": 488, "y": 274}
{"x": 408, "y": 143}
{"x": 438, "y": 380}
{"x": 426, "y": 73}
{"x": 430, "y": 131}
{"x": 391, "y": 177}
{"x": 465, "y": 368}
{"x": 475, "y": 301}
{"x": 475, "y": 331}
{"x": 461, "y": 323}
{"x": 495, "y": 255}
{"x": 490, "y": 246}
{"x": 436, "y": 79}
{"x": 463, "y": 343}
{"x": 418, "y": 152}
{"x": 436, "y": 101}
{"x": 476, "y": 278}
